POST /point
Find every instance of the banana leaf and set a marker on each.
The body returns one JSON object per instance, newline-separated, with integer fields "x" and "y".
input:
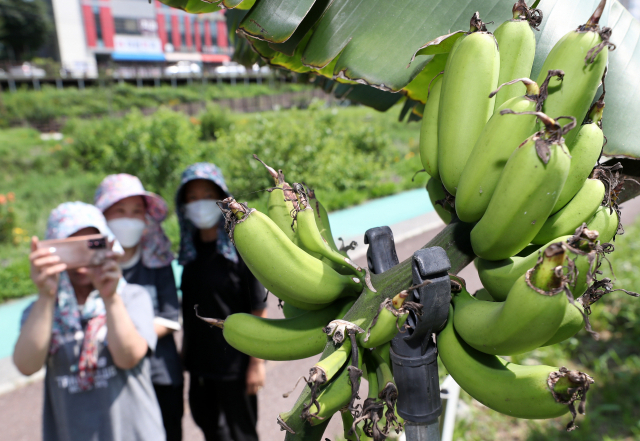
{"x": 372, "y": 41}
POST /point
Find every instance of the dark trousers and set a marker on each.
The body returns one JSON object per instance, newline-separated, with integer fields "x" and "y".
{"x": 209, "y": 398}
{"x": 171, "y": 401}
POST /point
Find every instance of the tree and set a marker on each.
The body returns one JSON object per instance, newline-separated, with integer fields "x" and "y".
{"x": 24, "y": 26}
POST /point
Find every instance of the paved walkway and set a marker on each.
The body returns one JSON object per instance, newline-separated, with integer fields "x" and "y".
{"x": 20, "y": 409}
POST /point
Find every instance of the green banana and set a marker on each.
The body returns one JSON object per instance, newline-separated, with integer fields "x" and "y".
{"x": 290, "y": 311}
{"x": 280, "y": 339}
{"x": 335, "y": 396}
{"x": 437, "y": 193}
{"x": 508, "y": 388}
{"x": 327, "y": 368}
{"x": 322, "y": 220}
{"x": 585, "y": 151}
{"x": 530, "y": 316}
{"x": 284, "y": 269}
{"x": 429, "y": 130}
{"x": 581, "y": 208}
{"x": 500, "y": 137}
{"x": 525, "y": 194}
{"x": 517, "y": 45}
{"x": 281, "y": 202}
{"x": 604, "y": 221}
{"x": 499, "y": 276}
{"x": 572, "y": 322}
{"x": 312, "y": 241}
{"x": 387, "y": 323}
{"x": 582, "y": 55}
{"x": 471, "y": 73}
{"x": 483, "y": 294}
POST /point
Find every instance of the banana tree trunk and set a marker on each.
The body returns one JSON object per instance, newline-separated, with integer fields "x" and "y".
{"x": 455, "y": 240}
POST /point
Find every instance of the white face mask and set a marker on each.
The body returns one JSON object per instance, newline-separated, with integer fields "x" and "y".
{"x": 128, "y": 231}
{"x": 204, "y": 213}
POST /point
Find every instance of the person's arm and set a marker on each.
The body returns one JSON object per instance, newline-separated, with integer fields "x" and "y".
{"x": 30, "y": 352}
{"x": 126, "y": 345}
{"x": 256, "y": 373}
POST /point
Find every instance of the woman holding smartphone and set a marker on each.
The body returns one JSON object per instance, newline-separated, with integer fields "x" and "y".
{"x": 92, "y": 330}
{"x": 223, "y": 380}
{"x": 135, "y": 215}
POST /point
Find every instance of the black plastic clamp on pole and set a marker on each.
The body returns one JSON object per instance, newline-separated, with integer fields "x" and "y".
{"x": 381, "y": 254}
{"x": 413, "y": 353}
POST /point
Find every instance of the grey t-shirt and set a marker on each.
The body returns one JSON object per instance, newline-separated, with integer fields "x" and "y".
{"x": 122, "y": 405}
{"x": 166, "y": 367}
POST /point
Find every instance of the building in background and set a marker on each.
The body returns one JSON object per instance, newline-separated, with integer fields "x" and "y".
{"x": 137, "y": 38}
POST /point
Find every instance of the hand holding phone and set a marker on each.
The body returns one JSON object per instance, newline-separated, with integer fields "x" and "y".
{"x": 45, "y": 268}
{"x": 79, "y": 251}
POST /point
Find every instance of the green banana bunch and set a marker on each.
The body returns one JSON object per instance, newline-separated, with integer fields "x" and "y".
{"x": 437, "y": 193}
{"x": 525, "y": 194}
{"x": 429, "y": 129}
{"x": 390, "y": 318}
{"x": 284, "y": 269}
{"x": 499, "y": 276}
{"x": 530, "y": 392}
{"x": 500, "y": 137}
{"x": 312, "y": 241}
{"x": 529, "y": 317}
{"x": 290, "y": 311}
{"x": 280, "y": 339}
{"x": 581, "y": 208}
{"x": 582, "y": 55}
{"x": 347, "y": 425}
{"x": 572, "y": 322}
{"x": 604, "y": 221}
{"x": 336, "y": 395}
{"x": 585, "y": 151}
{"x": 471, "y": 73}
{"x": 517, "y": 45}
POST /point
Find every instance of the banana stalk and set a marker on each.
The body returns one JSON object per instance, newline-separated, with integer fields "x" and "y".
{"x": 471, "y": 73}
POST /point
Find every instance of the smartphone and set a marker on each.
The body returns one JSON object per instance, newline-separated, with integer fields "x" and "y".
{"x": 79, "y": 251}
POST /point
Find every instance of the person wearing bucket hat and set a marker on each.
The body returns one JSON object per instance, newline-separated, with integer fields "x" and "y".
{"x": 93, "y": 331}
{"x": 135, "y": 215}
{"x": 223, "y": 380}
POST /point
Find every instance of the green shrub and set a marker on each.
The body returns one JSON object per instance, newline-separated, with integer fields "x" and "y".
{"x": 155, "y": 148}
{"x": 15, "y": 280}
{"x": 213, "y": 122}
